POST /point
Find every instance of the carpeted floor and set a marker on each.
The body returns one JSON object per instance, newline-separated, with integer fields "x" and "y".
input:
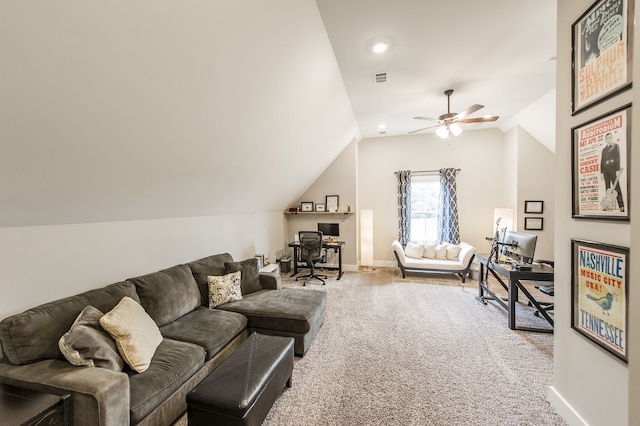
{"x": 417, "y": 351}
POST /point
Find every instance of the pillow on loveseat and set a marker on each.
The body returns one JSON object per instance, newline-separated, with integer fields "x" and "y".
{"x": 453, "y": 251}
{"x": 249, "y": 274}
{"x": 136, "y": 334}
{"x": 86, "y": 344}
{"x": 429, "y": 251}
{"x": 414, "y": 250}
{"x": 224, "y": 289}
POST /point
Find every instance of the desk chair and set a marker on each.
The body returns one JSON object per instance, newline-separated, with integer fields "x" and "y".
{"x": 546, "y": 288}
{"x": 311, "y": 252}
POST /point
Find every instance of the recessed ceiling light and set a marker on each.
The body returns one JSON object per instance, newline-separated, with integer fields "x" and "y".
{"x": 382, "y": 126}
{"x": 380, "y": 47}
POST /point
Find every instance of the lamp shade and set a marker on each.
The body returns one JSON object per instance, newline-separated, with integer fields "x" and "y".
{"x": 443, "y": 131}
{"x": 455, "y": 129}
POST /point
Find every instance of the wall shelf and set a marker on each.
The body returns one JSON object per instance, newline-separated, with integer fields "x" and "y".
{"x": 288, "y": 213}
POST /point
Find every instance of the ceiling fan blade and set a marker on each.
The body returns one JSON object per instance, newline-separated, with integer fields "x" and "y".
{"x": 426, "y": 118}
{"x": 473, "y": 108}
{"x": 480, "y": 119}
{"x": 425, "y": 128}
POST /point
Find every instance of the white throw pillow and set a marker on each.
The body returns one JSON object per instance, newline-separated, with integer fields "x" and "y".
{"x": 429, "y": 251}
{"x": 224, "y": 289}
{"x": 136, "y": 334}
{"x": 414, "y": 250}
{"x": 441, "y": 251}
{"x": 453, "y": 251}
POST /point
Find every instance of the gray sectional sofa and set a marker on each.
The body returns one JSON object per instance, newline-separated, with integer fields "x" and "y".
{"x": 195, "y": 339}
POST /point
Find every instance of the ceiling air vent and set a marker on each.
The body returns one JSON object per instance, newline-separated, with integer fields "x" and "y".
{"x": 380, "y": 77}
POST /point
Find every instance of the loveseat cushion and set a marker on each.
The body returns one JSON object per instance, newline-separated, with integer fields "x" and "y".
{"x": 172, "y": 365}
{"x": 250, "y": 276}
{"x": 34, "y": 334}
{"x": 168, "y": 294}
{"x": 202, "y": 268}
{"x": 211, "y": 329}
{"x": 291, "y": 309}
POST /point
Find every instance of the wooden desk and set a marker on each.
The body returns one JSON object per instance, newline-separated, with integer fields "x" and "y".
{"x": 20, "y": 406}
{"x": 335, "y": 245}
{"x": 499, "y": 271}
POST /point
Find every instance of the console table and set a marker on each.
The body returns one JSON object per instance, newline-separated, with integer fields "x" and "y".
{"x": 335, "y": 245}
{"x": 501, "y": 271}
{"x": 19, "y": 406}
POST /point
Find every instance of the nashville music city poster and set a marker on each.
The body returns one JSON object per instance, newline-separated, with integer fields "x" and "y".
{"x": 600, "y": 59}
{"x": 600, "y": 294}
{"x": 600, "y": 167}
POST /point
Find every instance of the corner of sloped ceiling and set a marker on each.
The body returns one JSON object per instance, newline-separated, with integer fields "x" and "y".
{"x": 206, "y": 108}
{"x": 539, "y": 120}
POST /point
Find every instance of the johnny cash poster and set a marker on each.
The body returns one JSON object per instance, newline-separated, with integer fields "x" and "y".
{"x": 599, "y": 292}
{"x": 600, "y": 172}
{"x": 601, "y": 53}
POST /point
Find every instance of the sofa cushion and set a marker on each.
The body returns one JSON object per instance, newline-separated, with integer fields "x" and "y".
{"x": 224, "y": 289}
{"x": 86, "y": 344}
{"x": 429, "y": 251}
{"x": 33, "y": 335}
{"x": 172, "y": 365}
{"x": 453, "y": 251}
{"x": 290, "y": 309}
{"x": 136, "y": 334}
{"x": 202, "y": 268}
{"x": 414, "y": 250}
{"x": 250, "y": 275}
{"x": 211, "y": 329}
{"x": 168, "y": 294}
{"x": 441, "y": 251}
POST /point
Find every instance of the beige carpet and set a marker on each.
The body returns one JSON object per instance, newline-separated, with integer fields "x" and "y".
{"x": 417, "y": 351}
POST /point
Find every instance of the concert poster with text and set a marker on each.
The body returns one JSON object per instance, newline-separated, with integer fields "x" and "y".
{"x": 600, "y": 167}
{"x": 600, "y": 294}
{"x": 601, "y": 59}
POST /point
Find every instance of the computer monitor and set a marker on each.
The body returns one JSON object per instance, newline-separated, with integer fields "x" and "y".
{"x": 329, "y": 229}
{"x": 518, "y": 246}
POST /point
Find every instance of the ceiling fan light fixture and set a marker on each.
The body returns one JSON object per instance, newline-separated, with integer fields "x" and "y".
{"x": 443, "y": 131}
{"x": 455, "y": 129}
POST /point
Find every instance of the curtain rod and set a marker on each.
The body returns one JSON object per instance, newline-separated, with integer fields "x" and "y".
{"x": 427, "y": 171}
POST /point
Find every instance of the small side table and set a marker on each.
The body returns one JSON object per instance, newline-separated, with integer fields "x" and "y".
{"x": 19, "y": 407}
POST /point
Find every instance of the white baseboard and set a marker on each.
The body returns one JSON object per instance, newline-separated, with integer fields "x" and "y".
{"x": 564, "y": 409}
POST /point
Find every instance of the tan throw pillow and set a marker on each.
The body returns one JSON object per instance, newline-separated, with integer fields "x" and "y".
{"x": 441, "y": 251}
{"x": 224, "y": 289}
{"x": 136, "y": 334}
{"x": 429, "y": 251}
{"x": 86, "y": 344}
{"x": 414, "y": 250}
{"x": 453, "y": 250}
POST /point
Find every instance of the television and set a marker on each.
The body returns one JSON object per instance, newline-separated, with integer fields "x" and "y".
{"x": 329, "y": 230}
{"x": 518, "y": 246}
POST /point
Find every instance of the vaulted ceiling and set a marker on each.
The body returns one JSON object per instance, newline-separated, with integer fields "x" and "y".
{"x": 128, "y": 109}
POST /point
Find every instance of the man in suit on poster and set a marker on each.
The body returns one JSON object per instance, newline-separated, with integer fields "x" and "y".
{"x": 610, "y": 171}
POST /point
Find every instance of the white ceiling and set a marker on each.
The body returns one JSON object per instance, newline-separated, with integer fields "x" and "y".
{"x": 497, "y": 53}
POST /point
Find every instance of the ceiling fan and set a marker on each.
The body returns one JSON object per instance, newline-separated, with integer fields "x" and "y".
{"x": 449, "y": 123}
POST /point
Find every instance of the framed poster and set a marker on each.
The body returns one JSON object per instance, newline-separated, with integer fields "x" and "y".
{"x": 600, "y": 166}
{"x": 533, "y": 223}
{"x": 320, "y": 207}
{"x": 306, "y": 206}
{"x": 601, "y": 42}
{"x": 599, "y": 294}
{"x": 332, "y": 203}
{"x": 533, "y": 206}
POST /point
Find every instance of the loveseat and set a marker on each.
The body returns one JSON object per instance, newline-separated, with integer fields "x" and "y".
{"x": 190, "y": 339}
{"x": 434, "y": 258}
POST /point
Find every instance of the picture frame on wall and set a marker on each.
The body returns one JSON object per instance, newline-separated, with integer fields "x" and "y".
{"x": 599, "y": 294}
{"x": 533, "y": 206}
{"x": 320, "y": 207}
{"x": 332, "y": 203}
{"x": 600, "y": 166}
{"x": 533, "y": 223}
{"x": 601, "y": 42}
{"x": 306, "y": 206}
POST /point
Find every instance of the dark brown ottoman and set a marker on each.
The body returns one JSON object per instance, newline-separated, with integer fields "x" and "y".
{"x": 243, "y": 388}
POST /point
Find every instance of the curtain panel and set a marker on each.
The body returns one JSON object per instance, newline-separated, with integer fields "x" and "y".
{"x": 448, "y": 225}
{"x": 404, "y": 206}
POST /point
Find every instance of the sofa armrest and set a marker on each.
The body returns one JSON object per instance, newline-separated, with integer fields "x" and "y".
{"x": 270, "y": 280}
{"x": 98, "y": 396}
{"x": 397, "y": 247}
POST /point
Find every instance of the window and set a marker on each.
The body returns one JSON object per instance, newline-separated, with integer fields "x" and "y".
{"x": 425, "y": 195}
